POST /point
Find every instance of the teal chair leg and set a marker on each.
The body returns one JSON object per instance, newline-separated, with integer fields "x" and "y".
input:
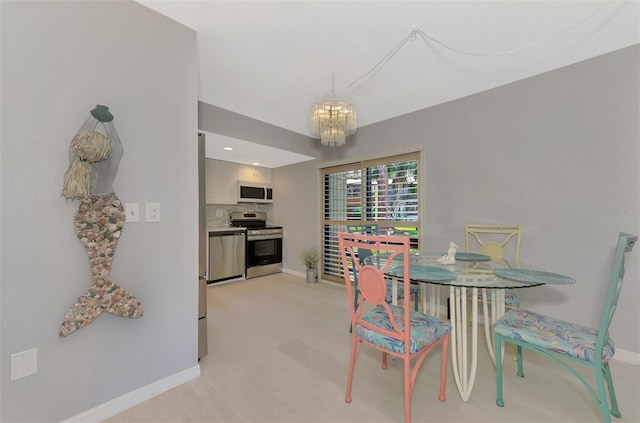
{"x": 615, "y": 411}
{"x": 603, "y": 404}
{"x": 519, "y": 354}
{"x": 602, "y": 376}
{"x": 498, "y": 341}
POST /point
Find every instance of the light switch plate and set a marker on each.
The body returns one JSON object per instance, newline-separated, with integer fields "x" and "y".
{"x": 132, "y": 212}
{"x": 24, "y": 364}
{"x": 152, "y": 212}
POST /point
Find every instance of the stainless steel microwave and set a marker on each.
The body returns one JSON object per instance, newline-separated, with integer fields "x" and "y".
{"x": 254, "y": 192}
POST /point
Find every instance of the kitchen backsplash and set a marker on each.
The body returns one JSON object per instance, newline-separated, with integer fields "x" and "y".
{"x": 218, "y": 214}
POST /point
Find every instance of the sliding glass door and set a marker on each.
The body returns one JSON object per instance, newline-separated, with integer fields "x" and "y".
{"x": 382, "y": 191}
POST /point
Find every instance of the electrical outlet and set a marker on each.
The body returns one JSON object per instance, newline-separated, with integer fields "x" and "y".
{"x": 132, "y": 212}
{"x": 24, "y": 364}
{"x": 152, "y": 212}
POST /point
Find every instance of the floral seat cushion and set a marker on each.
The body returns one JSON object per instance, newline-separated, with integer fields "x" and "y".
{"x": 557, "y": 335}
{"x": 511, "y": 297}
{"x": 425, "y": 330}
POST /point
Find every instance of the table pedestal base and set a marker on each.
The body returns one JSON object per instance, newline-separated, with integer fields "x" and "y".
{"x": 464, "y": 352}
{"x": 464, "y": 371}
{"x": 465, "y": 364}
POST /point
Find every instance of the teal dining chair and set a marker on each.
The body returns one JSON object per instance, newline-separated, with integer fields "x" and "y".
{"x": 565, "y": 342}
{"x": 398, "y": 331}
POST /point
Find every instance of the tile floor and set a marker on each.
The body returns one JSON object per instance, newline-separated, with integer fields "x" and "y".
{"x": 279, "y": 352}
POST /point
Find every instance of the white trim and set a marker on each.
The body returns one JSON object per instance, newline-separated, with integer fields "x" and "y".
{"x": 627, "y": 356}
{"x": 340, "y": 285}
{"x": 294, "y": 272}
{"x": 397, "y": 151}
{"x": 304, "y": 275}
{"x": 133, "y": 398}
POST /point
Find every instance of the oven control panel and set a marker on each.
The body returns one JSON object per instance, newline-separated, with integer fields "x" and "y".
{"x": 264, "y": 233}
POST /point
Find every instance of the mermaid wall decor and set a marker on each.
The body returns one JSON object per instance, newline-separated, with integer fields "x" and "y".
{"x": 94, "y": 160}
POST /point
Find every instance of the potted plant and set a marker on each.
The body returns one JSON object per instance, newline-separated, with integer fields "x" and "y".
{"x": 310, "y": 257}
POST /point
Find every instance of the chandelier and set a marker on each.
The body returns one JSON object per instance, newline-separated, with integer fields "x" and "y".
{"x": 333, "y": 121}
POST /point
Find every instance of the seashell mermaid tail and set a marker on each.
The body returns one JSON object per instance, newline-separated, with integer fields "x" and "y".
{"x": 99, "y": 223}
{"x": 106, "y": 296}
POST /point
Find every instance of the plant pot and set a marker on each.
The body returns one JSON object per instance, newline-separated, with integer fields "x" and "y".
{"x": 312, "y": 275}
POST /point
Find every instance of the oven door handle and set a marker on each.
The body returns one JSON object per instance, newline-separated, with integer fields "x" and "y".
{"x": 263, "y": 237}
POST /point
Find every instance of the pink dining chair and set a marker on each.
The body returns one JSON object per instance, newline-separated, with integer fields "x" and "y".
{"x": 366, "y": 256}
{"x": 396, "y": 330}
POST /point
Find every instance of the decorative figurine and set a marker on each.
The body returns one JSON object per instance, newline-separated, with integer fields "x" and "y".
{"x": 450, "y": 257}
{"x": 94, "y": 161}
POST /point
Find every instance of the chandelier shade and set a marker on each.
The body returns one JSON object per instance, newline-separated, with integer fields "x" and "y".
{"x": 333, "y": 121}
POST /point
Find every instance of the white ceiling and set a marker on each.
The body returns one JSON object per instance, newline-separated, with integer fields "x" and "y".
{"x": 272, "y": 60}
{"x": 235, "y": 150}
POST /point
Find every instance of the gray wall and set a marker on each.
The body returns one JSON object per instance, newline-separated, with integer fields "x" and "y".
{"x": 59, "y": 59}
{"x": 557, "y": 153}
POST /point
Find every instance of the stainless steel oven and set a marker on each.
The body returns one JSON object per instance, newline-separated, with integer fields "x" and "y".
{"x": 264, "y": 251}
{"x": 263, "y": 245}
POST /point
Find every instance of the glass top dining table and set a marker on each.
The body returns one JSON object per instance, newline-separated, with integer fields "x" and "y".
{"x": 470, "y": 275}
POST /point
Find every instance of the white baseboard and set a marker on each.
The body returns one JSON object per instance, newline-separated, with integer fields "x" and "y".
{"x": 627, "y": 356}
{"x": 304, "y": 275}
{"x": 133, "y": 398}
{"x": 294, "y": 272}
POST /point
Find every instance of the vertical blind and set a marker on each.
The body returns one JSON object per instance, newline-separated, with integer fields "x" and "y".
{"x": 382, "y": 191}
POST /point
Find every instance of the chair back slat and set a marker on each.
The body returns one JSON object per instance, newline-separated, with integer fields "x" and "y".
{"x": 625, "y": 244}
{"x": 493, "y": 239}
{"x": 371, "y": 280}
{"x": 364, "y": 254}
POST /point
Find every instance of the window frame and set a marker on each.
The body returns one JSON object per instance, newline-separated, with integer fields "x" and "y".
{"x": 330, "y": 252}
